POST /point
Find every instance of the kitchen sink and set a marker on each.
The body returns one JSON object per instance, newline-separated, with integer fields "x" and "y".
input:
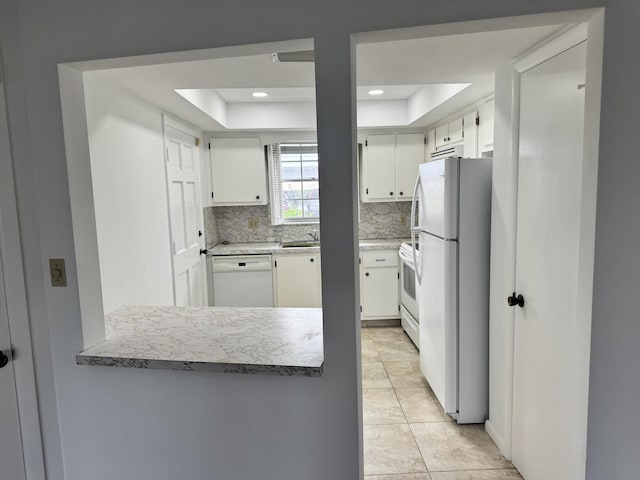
{"x": 299, "y": 244}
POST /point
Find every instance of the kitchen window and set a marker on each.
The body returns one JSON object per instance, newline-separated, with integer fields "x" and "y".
{"x": 294, "y": 183}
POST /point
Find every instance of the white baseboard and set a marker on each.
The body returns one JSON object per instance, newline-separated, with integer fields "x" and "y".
{"x": 496, "y": 437}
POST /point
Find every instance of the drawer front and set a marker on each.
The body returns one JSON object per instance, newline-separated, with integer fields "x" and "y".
{"x": 385, "y": 258}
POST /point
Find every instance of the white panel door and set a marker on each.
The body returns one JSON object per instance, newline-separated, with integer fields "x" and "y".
{"x": 11, "y": 459}
{"x": 11, "y": 449}
{"x": 379, "y": 176}
{"x": 185, "y": 212}
{"x": 409, "y": 154}
{"x": 545, "y": 396}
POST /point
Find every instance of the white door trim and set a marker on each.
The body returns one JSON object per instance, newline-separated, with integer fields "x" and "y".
{"x": 10, "y": 246}
{"x": 563, "y": 40}
{"x": 169, "y": 121}
{"x": 594, "y": 31}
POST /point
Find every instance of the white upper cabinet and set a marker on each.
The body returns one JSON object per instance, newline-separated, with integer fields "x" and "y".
{"x": 409, "y": 154}
{"x": 390, "y": 166}
{"x": 379, "y": 168}
{"x": 431, "y": 142}
{"x": 449, "y": 133}
{"x": 486, "y": 127}
{"x": 455, "y": 131}
{"x": 442, "y": 136}
{"x": 470, "y": 130}
{"x": 238, "y": 172}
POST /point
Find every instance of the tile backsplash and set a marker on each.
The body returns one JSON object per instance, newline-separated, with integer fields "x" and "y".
{"x": 210, "y": 227}
{"x": 385, "y": 220}
{"x": 253, "y": 224}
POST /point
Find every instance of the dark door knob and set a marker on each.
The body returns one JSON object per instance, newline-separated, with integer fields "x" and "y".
{"x": 3, "y": 360}
{"x": 514, "y": 300}
{"x": 366, "y": 274}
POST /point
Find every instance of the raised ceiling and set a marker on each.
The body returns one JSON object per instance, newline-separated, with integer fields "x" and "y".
{"x": 438, "y": 74}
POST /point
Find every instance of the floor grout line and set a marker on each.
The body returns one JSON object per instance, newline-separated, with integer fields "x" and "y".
{"x": 376, "y": 342}
{"x": 413, "y": 437}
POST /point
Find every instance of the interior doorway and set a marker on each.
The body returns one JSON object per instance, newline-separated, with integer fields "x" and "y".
{"x": 11, "y": 457}
{"x": 548, "y": 423}
{"x": 21, "y": 452}
{"x": 392, "y": 382}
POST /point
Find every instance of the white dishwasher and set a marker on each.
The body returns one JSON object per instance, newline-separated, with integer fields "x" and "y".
{"x": 242, "y": 281}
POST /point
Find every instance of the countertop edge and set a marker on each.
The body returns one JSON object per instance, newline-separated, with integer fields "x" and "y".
{"x": 273, "y": 248}
{"x": 250, "y": 340}
{"x": 194, "y": 366}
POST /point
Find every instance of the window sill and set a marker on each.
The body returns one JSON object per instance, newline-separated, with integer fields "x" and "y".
{"x": 301, "y": 222}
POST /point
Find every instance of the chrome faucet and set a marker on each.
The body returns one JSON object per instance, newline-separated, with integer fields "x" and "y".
{"x": 314, "y": 235}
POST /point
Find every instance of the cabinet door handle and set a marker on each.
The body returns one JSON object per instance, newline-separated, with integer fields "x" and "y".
{"x": 391, "y": 193}
{"x": 401, "y": 193}
{"x": 366, "y": 274}
{"x": 311, "y": 259}
{"x": 514, "y": 300}
{"x": 257, "y": 197}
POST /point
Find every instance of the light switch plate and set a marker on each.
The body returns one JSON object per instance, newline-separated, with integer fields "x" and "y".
{"x": 58, "y": 272}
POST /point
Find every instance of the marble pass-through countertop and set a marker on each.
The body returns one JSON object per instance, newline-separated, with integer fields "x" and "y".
{"x": 281, "y": 341}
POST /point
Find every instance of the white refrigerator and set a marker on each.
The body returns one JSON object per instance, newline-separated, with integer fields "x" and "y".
{"x": 451, "y": 225}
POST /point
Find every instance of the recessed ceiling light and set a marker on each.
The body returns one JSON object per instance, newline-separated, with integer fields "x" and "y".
{"x": 375, "y": 92}
{"x": 260, "y": 94}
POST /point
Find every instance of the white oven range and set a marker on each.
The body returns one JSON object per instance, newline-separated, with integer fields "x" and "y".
{"x": 408, "y": 301}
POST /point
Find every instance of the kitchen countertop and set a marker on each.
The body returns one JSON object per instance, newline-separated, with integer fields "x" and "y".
{"x": 280, "y": 341}
{"x": 264, "y": 248}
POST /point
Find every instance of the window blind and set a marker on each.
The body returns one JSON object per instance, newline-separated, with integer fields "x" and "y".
{"x": 293, "y": 175}
{"x": 276, "y": 184}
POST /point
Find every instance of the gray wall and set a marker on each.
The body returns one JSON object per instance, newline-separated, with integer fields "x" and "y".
{"x": 119, "y": 423}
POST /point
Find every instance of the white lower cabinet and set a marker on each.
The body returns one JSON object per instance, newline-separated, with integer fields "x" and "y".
{"x": 379, "y": 285}
{"x": 298, "y": 281}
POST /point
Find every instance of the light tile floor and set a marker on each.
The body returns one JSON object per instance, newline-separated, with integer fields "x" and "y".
{"x": 407, "y": 436}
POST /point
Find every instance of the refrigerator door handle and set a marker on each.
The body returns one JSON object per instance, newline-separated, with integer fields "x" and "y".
{"x": 415, "y": 229}
{"x": 415, "y": 225}
{"x": 416, "y": 257}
